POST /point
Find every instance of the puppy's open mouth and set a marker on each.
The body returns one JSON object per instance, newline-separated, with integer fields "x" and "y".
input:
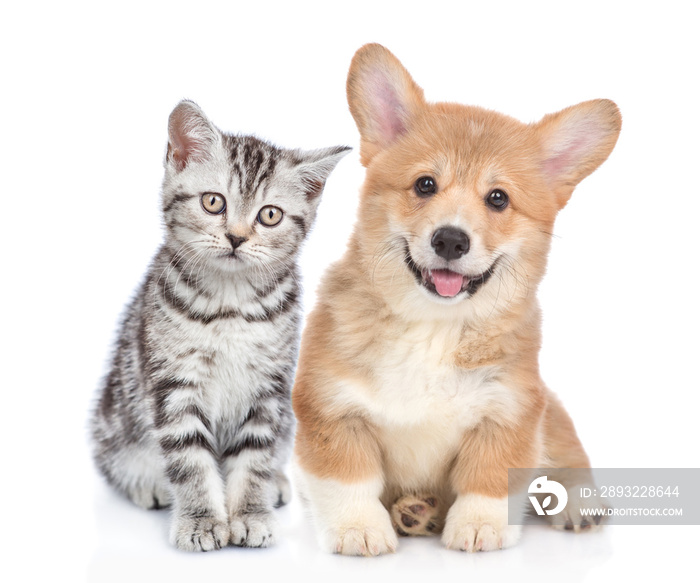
{"x": 447, "y": 283}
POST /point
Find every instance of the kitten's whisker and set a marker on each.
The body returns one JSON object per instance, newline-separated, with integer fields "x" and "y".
{"x": 179, "y": 254}
{"x": 185, "y": 270}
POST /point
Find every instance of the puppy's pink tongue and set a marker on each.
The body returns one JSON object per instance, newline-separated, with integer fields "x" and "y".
{"x": 447, "y": 283}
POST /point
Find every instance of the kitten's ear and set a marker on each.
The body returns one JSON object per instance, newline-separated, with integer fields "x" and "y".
{"x": 190, "y": 135}
{"x": 575, "y": 141}
{"x": 383, "y": 98}
{"x": 315, "y": 166}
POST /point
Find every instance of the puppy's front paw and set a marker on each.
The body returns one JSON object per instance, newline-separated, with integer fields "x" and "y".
{"x": 479, "y": 523}
{"x": 253, "y": 530}
{"x": 366, "y": 532}
{"x": 479, "y": 536}
{"x": 199, "y": 534}
{"x": 350, "y": 519}
{"x": 364, "y": 541}
{"x": 416, "y": 515}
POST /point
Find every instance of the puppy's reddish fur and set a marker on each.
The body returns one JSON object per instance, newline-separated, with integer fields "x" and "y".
{"x": 371, "y": 313}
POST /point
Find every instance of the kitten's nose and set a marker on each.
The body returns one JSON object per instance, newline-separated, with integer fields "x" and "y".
{"x": 236, "y": 242}
{"x": 450, "y": 243}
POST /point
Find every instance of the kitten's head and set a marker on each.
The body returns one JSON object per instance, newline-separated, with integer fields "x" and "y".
{"x": 237, "y": 202}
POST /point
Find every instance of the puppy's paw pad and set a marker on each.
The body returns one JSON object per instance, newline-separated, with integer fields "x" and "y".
{"x": 199, "y": 534}
{"x": 253, "y": 530}
{"x": 367, "y": 542}
{"x": 416, "y": 515}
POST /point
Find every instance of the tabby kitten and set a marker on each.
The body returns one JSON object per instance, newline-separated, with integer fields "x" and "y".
{"x": 195, "y": 411}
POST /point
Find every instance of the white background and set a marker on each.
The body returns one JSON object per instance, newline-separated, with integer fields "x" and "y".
{"x": 86, "y": 92}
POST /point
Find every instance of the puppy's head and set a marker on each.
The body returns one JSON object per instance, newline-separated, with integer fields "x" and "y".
{"x": 459, "y": 202}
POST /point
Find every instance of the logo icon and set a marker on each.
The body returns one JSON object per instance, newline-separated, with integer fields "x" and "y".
{"x": 542, "y": 485}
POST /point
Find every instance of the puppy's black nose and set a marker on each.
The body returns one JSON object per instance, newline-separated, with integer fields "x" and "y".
{"x": 236, "y": 242}
{"x": 450, "y": 243}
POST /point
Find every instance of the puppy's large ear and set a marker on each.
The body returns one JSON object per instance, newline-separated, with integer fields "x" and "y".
{"x": 575, "y": 141}
{"x": 383, "y": 98}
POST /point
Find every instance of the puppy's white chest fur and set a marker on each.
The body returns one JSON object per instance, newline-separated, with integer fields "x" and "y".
{"x": 416, "y": 382}
{"x": 422, "y": 403}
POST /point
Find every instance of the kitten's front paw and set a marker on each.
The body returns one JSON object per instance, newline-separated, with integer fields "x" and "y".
{"x": 199, "y": 534}
{"x": 479, "y": 523}
{"x": 253, "y": 530}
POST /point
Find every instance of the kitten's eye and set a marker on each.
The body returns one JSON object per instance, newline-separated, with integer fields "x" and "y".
{"x": 213, "y": 203}
{"x": 425, "y": 186}
{"x": 270, "y": 216}
{"x": 497, "y": 199}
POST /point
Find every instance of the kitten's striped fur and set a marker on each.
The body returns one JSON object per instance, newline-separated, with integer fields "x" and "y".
{"x": 195, "y": 411}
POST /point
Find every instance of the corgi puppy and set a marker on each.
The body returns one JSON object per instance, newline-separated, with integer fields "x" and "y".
{"x": 418, "y": 383}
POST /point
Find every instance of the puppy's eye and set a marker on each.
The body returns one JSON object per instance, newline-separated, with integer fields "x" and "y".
{"x": 270, "y": 216}
{"x": 213, "y": 203}
{"x": 425, "y": 186}
{"x": 497, "y": 199}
